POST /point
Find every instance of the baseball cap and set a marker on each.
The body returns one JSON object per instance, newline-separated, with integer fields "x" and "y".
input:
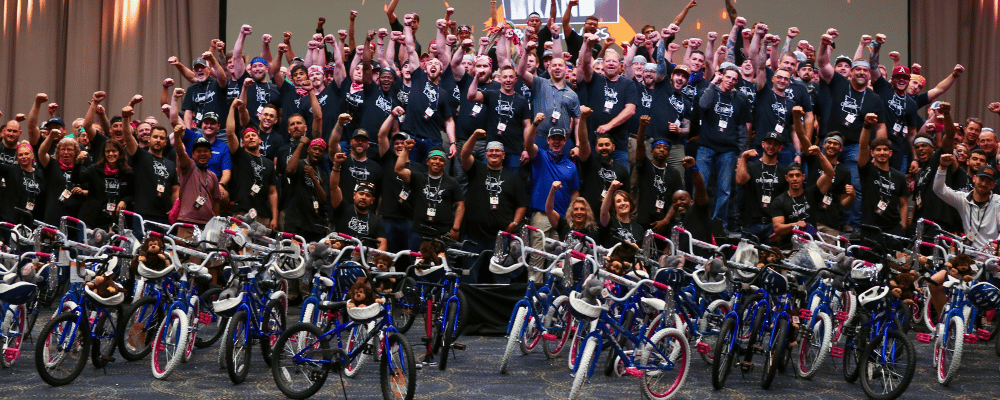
{"x": 800, "y": 56}
{"x": 987, "y": 171}
{"x": 725, "y": 65}
{"x": 210, "y": 116}
{"x": 197, "y": 62}
{"x": 901, "y": 70}
{"x": 773, "y": 135}
{"x": 400, "y": 135}
{"x": 547, "y": 53}
{"x": 465, "y": 28}
{"x": 201, "y": 142}
{"x": 684, "y": 69}
{"x": 55, "y": 120}
{"x": 360, "y": 133}
{"x": 807, "y": 64}
{"x": 555, "y": 131}
{"x": 364, "y": 186}
{"x": 844, "y": 59}
{"x": 258, "y": 60}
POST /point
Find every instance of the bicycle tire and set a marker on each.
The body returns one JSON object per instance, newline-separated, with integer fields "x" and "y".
{"x": 513, "y": 337}
{"x": 272, "y": 325}
{"x": 812, "y": 353}
{"x": 238, "y": 348}
{"x": 676, "y": 345}
{"x": 403, "y": 367}
{"x": 576, "y": 345}
{"x": 194, "y": 324}
{"x": 775, "y": 352}
{"x": 848, "y": 303}
{"x": 753, "y": 334}
{"x": 102, "y": 347}
{"x": 171, "y": 340}
{"x": 32, "y": 310}
{"x": 211, "y": 327}
{"x": 532, "y": 335}
{"x": 355, "y": 340}
{"x": 710, "y": 334}
{"x": 899, "y": 343}
{"x": 945, "y": 369}
{"x": 853, "y": 350}
{"x": 586, "y": 359}
{"x": 403, "y": 310}
{"x": 449, "y": 335}
{"x": 726, "y": 351}
{"x": 928, "y": 318}
{"x": 46, "y": 361}
{"x": 13, "y": 332}
{"x": 559, "y": 319}
{"x": 283, "y": 367}
{"x": 612, "y": 359}
{"x": 138, "y": 329}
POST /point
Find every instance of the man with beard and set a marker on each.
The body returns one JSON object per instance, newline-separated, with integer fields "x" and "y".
{"x": 200, "y": 193}
{"x": 828, "y": 213}
{"x": 657, "y": 181}
{"x": 598, "y": 172}
{"x": 360, "y": 168}
{"x": 672, "y": 111}
{"x": 207, "y": 94}
{"x": 305, "y": 209}
{"x": 885, "y": 205}
{"x": 507, "y": 114}
{"x": 253, "y": 186}
{"x": 848, "y": 101}
{"x": 795, "y": 208}
{"x": 261, "y": 92}
{"x": 497, "y": 199}
{"x": 395, "y": 208}
{"x": 978, "y": 208}
{"x": 988, "y": 143}
{"x": 357, "y": 217}
{"x": 613, "y": 98}
{"x": 438, "y": 202}
{"x": 691, "y": 213}
{"x": 62, "y": 173}
{"x": 574, "y": 41}
{"x": 797, "y": 91}
{"x": 766, "y": 183}
{"x": 427, "y": 111}
{"x": 548, "y": 166}
{"x": 220, "y": 163}
{"x": 927, "y": 204}
{"x": 773, "y": 114}
{"x": 155, "y": 175}
{"x": 726, "y": 121}
{"x": 554, "y": 97}
{"x": 903, "y": 116}
{"x": 977, "y": 159}
{"x": 309, "y": 83}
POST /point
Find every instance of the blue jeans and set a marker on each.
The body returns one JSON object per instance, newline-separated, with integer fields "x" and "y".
{"x": 397, "y": 233}
{"x": 721, "y": 166}
{"x": 418, "y": 154}
{"x": 621, "y": 157}
{"x": 849, "y": 157}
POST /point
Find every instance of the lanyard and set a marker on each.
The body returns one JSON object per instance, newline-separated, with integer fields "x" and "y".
{"x": 863, "y": 94}
{"x": 784, "y": 116}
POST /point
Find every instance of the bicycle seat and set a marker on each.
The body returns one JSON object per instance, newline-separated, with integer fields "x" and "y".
{"x": 17, "y": 293}
{"x": 268, "y": 285}
{"x": 656, "y": 304}
{"x": 332, "y": 305}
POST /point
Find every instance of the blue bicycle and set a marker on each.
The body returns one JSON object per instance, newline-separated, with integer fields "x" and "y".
{"x": 18, "y": 301}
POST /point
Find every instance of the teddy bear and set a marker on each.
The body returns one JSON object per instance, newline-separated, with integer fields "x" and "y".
{"x": 431, "y": 253}
{"x": 960, "y": 267}
{"x": 361, "y": 295}
{"x": 901, "y": 284}
{"x": 384, "y": 263}
{"x": 151, "y": 255}
{"x": 771, "y": 257}
{"x": 104, "y": 286}
{"x": 619, "y": 262}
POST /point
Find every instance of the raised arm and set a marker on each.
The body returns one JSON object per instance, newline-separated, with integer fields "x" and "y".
{"x": 679, "y": 19}
{"x": 183, "y": 161}
{"x": 130, "y": 144}
{"x": 474, "y": 94}
{"x": 88, "y": 120}
{"x": 582, "y": 133}
{"x": 469, "y": 146}
{"x": 586, "y": 59}
{"x": 238, "y": 64}
{"x": 293, "y": 161}
{"x": 401, "y": 171}
{"x": 411, "y": 46}
{"x": 389, "y": 127}
{"x": 390, "y": 11}
{"x": 945, "y": 84}
{"x": 522, "y": 65}
{"x": 33, "y": 132}
{"x": 339, "y": 70}
{"x": 333, "y": 146}
{"x": 800, "y": 128}
{"x": 606, "y": 203}
{"x": 336, "y": 195}
{"x": 232, "y": 140}
{"x": 742, "y": 175}
{"x": 700, "y": 193}
{"x": 529, "y": 136}
{"x": 826, "y": 70}
{"x": 567, "y": 15}
{"x": 185, "y": 72}
{"x": 864, "y": 142}
{"x": 640, "y": 140}
{"x": 825, "y": 180}
{"x": 54, "y": 136}
{"x": 550, "y": 202}
{"x": 948, "y": 143}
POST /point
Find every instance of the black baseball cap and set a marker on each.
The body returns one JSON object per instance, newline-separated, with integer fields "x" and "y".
{"x": 360, "y": 133}
{"x": 197, "y": 62}
{"x": 987, "y": 171}
{"x": 554, "y": 131}
{"x": 364, "y": 186}
{"x": 210, "y": 115}
{"x": 201, "y": 142}
{"x": 55, "y": 121}
{"x": 773, "y": 135}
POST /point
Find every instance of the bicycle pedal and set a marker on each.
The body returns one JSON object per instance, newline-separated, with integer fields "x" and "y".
{"x": 805, "y": 314}
{"x": 635, "y": 372}
{"x": 849, "y": 330}
{"x": 425, "y": 339}
{"x": 970, "y": 338}
{"x": 758, "y": 350}
{"x": 703, "y": 348}
{"x": 983, "y": 334}
{"x": 458, "y": 346}
{"x": 205, "y": 318}
{"x": 550, "y": 337}
{"x": 746, "y": 367}
{"x": 924, "y": 337}
{"x": 837, "y": 352}
{"x": 11, "y": 354}
{"x": 840, "y": 316}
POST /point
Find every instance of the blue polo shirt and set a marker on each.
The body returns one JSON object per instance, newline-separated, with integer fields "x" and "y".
{"x": 545, "y": 170}
{"x": 220, "y": 152}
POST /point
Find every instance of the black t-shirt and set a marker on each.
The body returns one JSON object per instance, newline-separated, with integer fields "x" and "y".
{"x": 402, "y": 91}
{"x": 353, "y": 104}
{"x": 767, "y": 182}
{"x": 669, "y": 106}
{"x": 469, "y": 115}
{"x": 574, "y": 42}
{"x": 331, "y": 103}
{"x": 645, "y": 104}
{"x": 271, "y": 143}
{"x": 353, "y": 171}
{"x": 292, "y": 103}
{"x": 656, "y": 191}
{"x": 795, "y": 209}
{"x": 749, "y": 89}
{"x": 848, "y": 107}
{"x": 251, "y": 184}
{"x": 206, "y": 96}
{"x": 828, "y": 210}
{"x": 366, "y": 226}
{"x": 608, "y": 99}
{"x": 773, "y": 113}
{"x": 57, "y": 184}
{"x": 596, "y": 178}
{"x": 901, "y": 113}
{"x": 493, "y": 198}
{"x": 797, "y": 91}
{"x": 724, "y": 120}
{"x": 395, "y": 204}
{"x": 378, "y": 104}
{"x": 427, "y": 108}
{"x": 881, "y": 191}
{"x": 104, "y": 191}
{"x": 434, "y": 203}
{"x": 23, "y": 190}
{"x": 260, "y": 94}
{"x": 508, "y": 112}
{"x": 618, "y": 232}
{"x": 928, "y": 204}
{"x": 155, "y": 179}
{"x": 695, "y": 220}
{"x": 303, "y": 210}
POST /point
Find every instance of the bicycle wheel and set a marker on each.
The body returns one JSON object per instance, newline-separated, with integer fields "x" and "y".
{"x": 558, "y": 327}
{"x": 355, "y": 340}
{"x": 450, "y": 333}
{"x": 303, "y": 378}
{"x": 238, "y": 346}
{"x": 886, "y": 376}
{"x": 397, "y": 369}
{"x": 463, "y": 313}
{"x": 194, "y": 324}
{"x": 854, "y": 349}
{"x": 403, "y": 309}
{"x": 814, "y": 349}
{"x": 726, "y": 351}
{"x": 61, "y": 352}
{"x": 708, "y": 332}
{"x": 776, "y": 351}
{"x": 668, "y": 364}
{"x": 104, "y": 341}
{"x": 138, "y": 328}
{"x": 847, "y": 308}
{"x": 532, "y": 335}
{"x": 272, "y": 325}
{"x": 751, "y": 332}
{"x": 211, "y": 324}
{"x": 612, "y": 358}
{"x": 948, "y": 355}
{"x": 514, "y": 337}
{"x": 582, "y": 328}
{"x": 587, "y": 359}
{"x": 169, "y": 344}
{"x": 12, "y": 334}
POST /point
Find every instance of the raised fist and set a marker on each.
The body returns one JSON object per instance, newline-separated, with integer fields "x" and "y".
{"x": 866, "y": 39}
{"x": 944, "y": 108}
{"x": 749, "y": 154}
{"x": 994, "y": 107}
{"x": 760, "y": 29}
{"x": 478, "y": 134}
{"x": 319, "y": 37}
{"x": 539, "y": 118}
{"x": 168, "y": 82}
{"x": 530, "y": 46}
{"x": 135, "y": 99}
{"x": 172, "y": 60}
{"x": 441, "y": 24}
{"x": 894, "y": 56}
{"x": 342, "y": 34}
{"x": 409, "y": 143}
{"x": 673, "y": 47}
{"x": 339, "y": 158}
{"x": 382, "y": 33}
{"x": 53, "y": 107}
{"x": 915, "y": 68}
{"x": 451, "y": 40}
{"x": 287, "y": 36}
{"x": 398, "y": 111}
{"x": 220, "y": 45}
{"x": 798, "y": 112}
{"x": 871, "y": 119}
{"x": 688, "y": 162}
{"x": 826, "y": 40}
{"x": 652, "y": 37}
{"x": 100, "y": 110}
{"x": 557, "y": 184}
{"x": 957, "y": 72}
{"x": 832, "y": 32}
{"x": 449, "y": 11}
{"x": 585, "y": 112}
{"x": 344, "y": 119}
{"x": 266, "y": 38}
{"x": 713, "y": 36}
{"x": 99, "y": 96}
{"x": 206, "y": 55}
{"x": 321, "y": 21}
{"x": 41, "y": 98}
{"x": 741, "y": 22}
{"x": 313, "y": 45}
{"x": 880, "y": 39}
{"x": 354, "y": 14}
{"x": 246, "y": 30}
{"x": 20, "y": 117}
{"x": 127, "y": 112}
{"x": 792, "y": 32}
{"x": 178, "y": 93}
{"x": 329, "y": 39}
{"x": 247, "y": 82}
{"x": 237, "y": 102}
{"x": 467, "y": 43}
{"x": 947, "y": 159}
{"x": 282, "y": 48}
{"x": 644, "y": 120}
{"x": 165, "y": 109}
{"x": 814, "y": 150}
{"x": 694, "y": 43}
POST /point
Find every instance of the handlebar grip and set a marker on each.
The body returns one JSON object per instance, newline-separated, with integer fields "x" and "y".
{"x": 681, "y": 229}
{"x": 416, "y": 254}
{"x": 659, "y": 285}
{"x": 346, "y": 236}
{"x": 799, "y": 231}
{"x": 7, "y": 225}
{"x": 579, "y": 234}
{"x": 943, "y": 237}
{"x": 155, "y": 233}
{"x": 577, "y": 255}
{"x": 507, "y": 234}
{"x": 49, "y": 230}
{"x": 286, "y": 235}
{"x": 43, "y": 255}
{"x": 530, "y": 228}
{"x": 187, "y": 225}
{"x": 865, "y": 248}
{"x": 229, "y": 232}
{"x": 129, "y": 213}
{"x": 73, "y": 219}
{"x": 928, "y": 244}
{"x": 659, "y": 237}
{"x": 117, "y": 249}
{"x": 237, "y": 220}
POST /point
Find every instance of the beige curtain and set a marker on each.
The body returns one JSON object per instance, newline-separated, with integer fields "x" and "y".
{"x": 945, "y": 33}
{"x": 70, "y": 49}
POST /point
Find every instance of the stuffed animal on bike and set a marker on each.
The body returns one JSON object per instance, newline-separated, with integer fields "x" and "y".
{"x": 901, "y": 284}
{"x": 361, "y": 295}
{"x": 960, "y": 267}
{"x": 384, "y": 264}
{"x": 151, "y": 254}
{"x": 771, "y": 257}
{"x": 591, "y": 291}
{"x": 432, "y": 253}
{"x": 104, "y": 286}
{"x": 29, "y": 272}
{"x": 622, "y": 260}
{"x": 318, "y": 253}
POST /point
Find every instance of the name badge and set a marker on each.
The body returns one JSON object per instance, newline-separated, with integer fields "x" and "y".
{"x": 315, "y": 205}
{"x": 555, "y": 116}
{"x": 849, "y": 119}
{"x": 260, "y": 109}
{"x": 476, "y": 109}
{"x": 827, "y": 200}
{"x": 110, "y": 207}
{"x": 659, "y": 205}
{"x": 882, "y": 206}
{"x": 255, "y": 188}
{"x": 779, "y": 128}
{"x": 494, "y": 200}
{"x": 608, "y": 105}
{"x": 431, "y": 212}
{"x": 29, "y": 206}
{"x": 428, "y": 113}
{"x": 501, "y": 127}
{"x": 160, "y": 188}
{"x": 898, "y": 128}
{"x": 723, "y": 124}
{"x": 65, "y": 195}
{"x": 604, "y": 193}
{"x": 766, "y": 200}
{"x": 677, "y": 122}
{"x": 403, "y": 195}
{"x": 252, "y": 213}
{"x": 197, "y": 116}
{"x": 200, "y": 201}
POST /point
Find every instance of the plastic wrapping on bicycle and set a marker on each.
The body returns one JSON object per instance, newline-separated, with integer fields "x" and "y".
{"x": 332, "y": 305}
{"x": 384, "y": 276}
{"x": 461, "y": 253}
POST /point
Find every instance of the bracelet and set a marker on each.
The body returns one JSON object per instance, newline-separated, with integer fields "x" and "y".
{"x": 456, "y": 230}
{"x": 454, "y": 142}
{"x": 336, "y": 169}
{"x": 868, "y": 127}
{"x": 693, "y": 169}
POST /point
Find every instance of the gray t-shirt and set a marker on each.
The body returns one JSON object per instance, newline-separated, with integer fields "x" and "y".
{"x": 547, "y": 99}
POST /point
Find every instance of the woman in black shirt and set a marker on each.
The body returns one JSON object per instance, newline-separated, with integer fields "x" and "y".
{"x": 62, "y": 174}
{"x": 619, "y": 227}
{"x": 24, "y": 186}
{"x": 109, "y": 187}
{"x": 580, "y": 215}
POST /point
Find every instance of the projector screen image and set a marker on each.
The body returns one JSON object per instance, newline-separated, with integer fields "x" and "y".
{"x": 620, "y": 19}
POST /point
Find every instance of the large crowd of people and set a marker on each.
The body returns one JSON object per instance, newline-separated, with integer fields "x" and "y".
{"x": 377, "y": 139}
